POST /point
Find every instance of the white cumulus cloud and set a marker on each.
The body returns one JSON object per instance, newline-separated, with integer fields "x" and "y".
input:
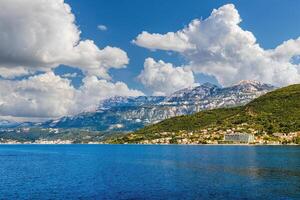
{"x": 45, "y": 95}
{"x": 37, "y": 35}
{"x": 218, "y": 46}
{"x": 170, "y": 41}
{"x": 49, "y": 96}
{"x": 164, "y": 78}
{"x": 94, "y": 90}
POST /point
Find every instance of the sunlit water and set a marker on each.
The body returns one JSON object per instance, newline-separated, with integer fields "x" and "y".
{"x": 149, "y": 172}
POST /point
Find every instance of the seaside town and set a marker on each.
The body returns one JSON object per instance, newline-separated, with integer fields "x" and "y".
{"x": 220, "y": 137}
{"x": 237, "y": 135}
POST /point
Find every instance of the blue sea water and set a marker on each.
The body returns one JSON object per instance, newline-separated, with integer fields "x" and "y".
{"x": 149, "y": 172}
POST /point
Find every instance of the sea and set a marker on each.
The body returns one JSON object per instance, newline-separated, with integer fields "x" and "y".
{"x": 149, "y": 172}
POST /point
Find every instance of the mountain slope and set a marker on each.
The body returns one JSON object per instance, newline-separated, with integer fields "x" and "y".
{"x": 131, "y": 113}
{"x": 276, "y": 111}
{"x": 8, "y": 124}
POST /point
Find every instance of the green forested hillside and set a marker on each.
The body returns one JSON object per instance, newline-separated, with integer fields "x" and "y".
{"x": 276, "y": 111}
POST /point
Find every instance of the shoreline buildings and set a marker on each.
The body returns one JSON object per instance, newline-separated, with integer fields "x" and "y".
{"x": 239, "y": 138}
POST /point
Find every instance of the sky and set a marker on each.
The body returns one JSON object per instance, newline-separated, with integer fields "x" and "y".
{"x": 271, "y": 21}
{"x": 60, "y": 57}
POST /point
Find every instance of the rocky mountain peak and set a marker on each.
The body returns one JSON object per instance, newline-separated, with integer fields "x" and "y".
{"x": 131, "y": 113}
{"x": 251, "y": 86}
{"x": 248, "y": 82}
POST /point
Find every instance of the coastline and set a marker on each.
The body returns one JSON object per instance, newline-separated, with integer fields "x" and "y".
{"x": 99, "y": 143}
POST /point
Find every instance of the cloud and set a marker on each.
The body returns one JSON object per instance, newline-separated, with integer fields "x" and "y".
{"x": 163, "y": 78}
{"x": 38, "y": 35}
{"x": 94, "y": 90}
{"x": 13, "y": 72}
{"x": 48, "y": 95}
{"x": 70, "y": 75}
{"x": 45, "y": 95}
{"x": 102, "y": 27}
{"x": 218, "y": 46}
{"x": 170, "y": 41}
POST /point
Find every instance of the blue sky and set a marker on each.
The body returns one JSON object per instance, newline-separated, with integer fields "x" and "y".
{"x": 271, "y": 21}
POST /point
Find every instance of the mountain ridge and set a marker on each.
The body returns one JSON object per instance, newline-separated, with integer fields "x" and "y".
{"x": 131, "y": 113}
{"x": 125, "y": 114}
{"x": 270, "y": 117}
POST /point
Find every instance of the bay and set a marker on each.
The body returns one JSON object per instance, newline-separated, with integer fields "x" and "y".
{"x": 149, "y": 172}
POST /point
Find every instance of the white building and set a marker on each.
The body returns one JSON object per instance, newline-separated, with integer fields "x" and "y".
{"x": 239, "y": 138}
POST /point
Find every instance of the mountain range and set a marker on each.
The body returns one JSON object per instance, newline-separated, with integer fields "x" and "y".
{"x": 273, "y": 117}
{"x": 125, "y": 114}
{"x": 131, "y": 113}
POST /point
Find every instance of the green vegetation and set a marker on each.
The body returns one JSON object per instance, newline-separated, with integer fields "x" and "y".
{"x": 276, "y": 111}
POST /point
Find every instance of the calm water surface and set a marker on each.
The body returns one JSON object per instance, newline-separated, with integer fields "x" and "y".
{"x": 149, "y": 172}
